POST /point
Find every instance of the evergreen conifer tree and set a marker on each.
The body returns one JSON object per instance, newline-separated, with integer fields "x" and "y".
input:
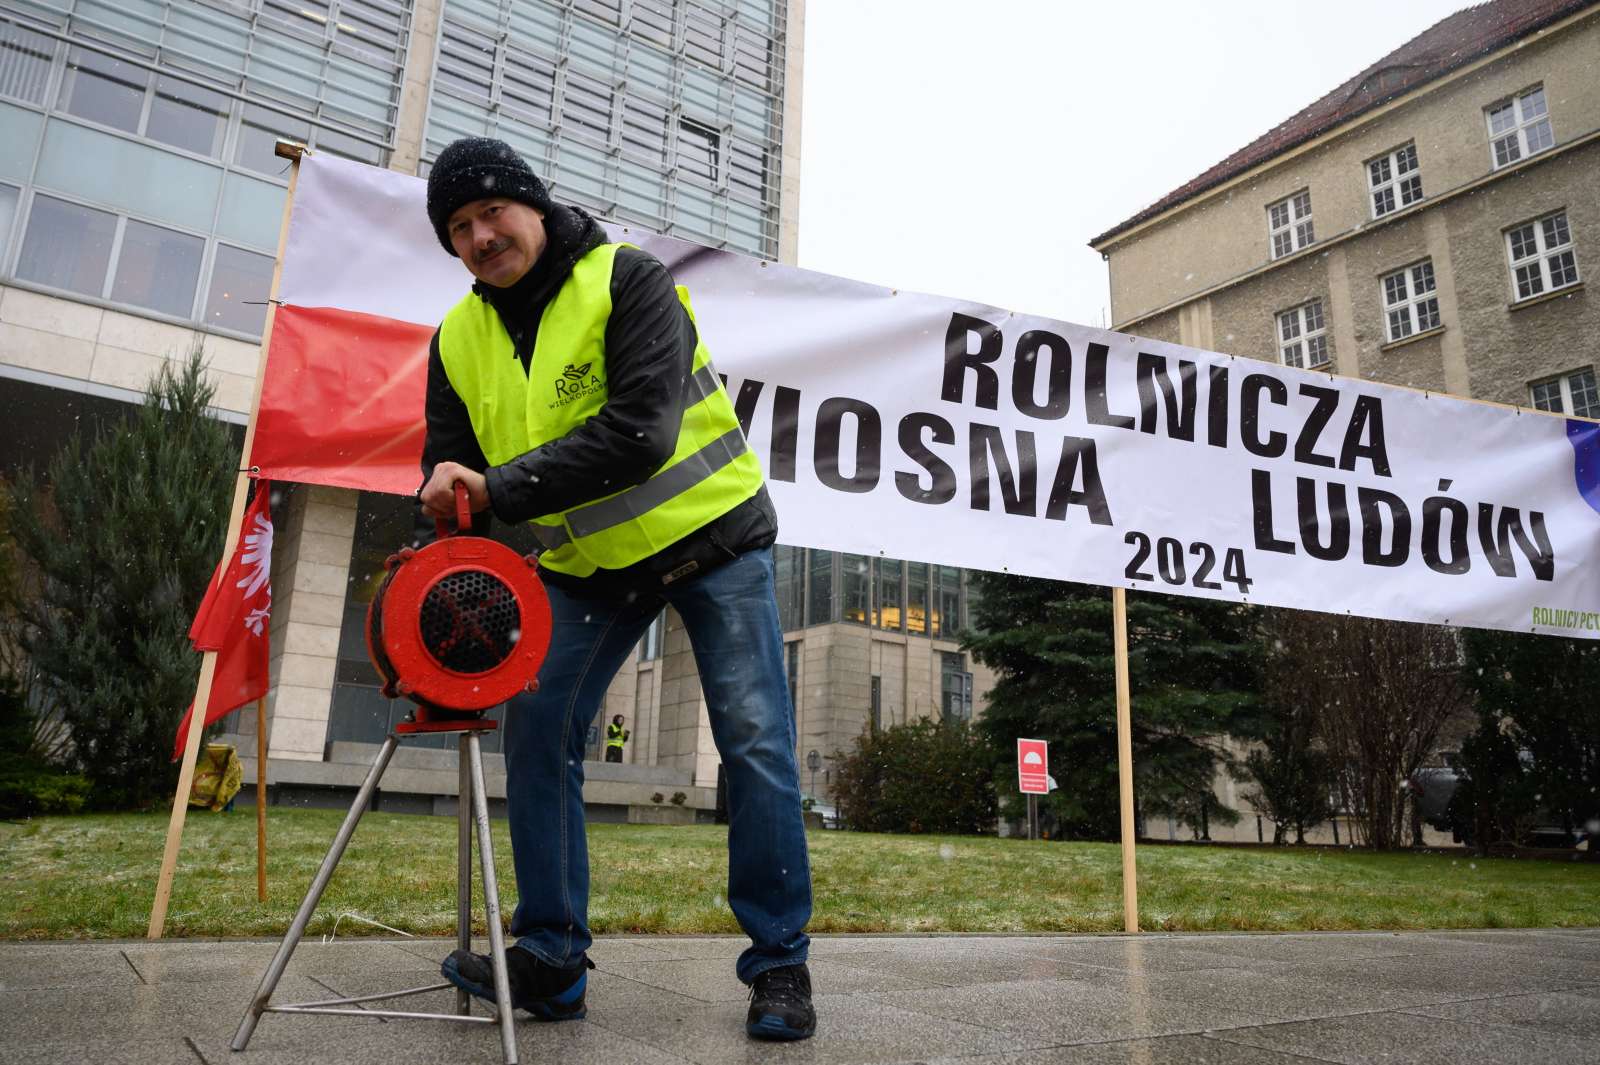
{"x": 126, "y": 533}
{"x": 1547, "y": 690}
{"x": 1193, "y": 680}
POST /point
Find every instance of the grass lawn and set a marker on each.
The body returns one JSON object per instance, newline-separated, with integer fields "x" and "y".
{"x": 94, "y": 876}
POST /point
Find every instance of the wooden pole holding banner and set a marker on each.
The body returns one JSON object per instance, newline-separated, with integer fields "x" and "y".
{"x": 208, "y": 666}
{"x": 261, "y": 799}
{"x": 1130, "y": 864}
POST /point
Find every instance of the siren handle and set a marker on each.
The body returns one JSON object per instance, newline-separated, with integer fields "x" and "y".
{"x": 441, "y": 530}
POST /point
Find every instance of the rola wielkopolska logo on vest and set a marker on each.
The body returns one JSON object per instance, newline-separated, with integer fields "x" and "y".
{"x": 575, "y": 382}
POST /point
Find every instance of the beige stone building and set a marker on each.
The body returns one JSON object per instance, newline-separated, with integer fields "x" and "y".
{"x": 140, "y": 205}
{"x": 1430, "y": 223}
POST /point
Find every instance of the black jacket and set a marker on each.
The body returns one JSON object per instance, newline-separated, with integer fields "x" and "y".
{"x": 650, "y": 342}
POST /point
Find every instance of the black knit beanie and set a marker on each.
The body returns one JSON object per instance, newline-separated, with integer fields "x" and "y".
{"x": 476, "y": 168}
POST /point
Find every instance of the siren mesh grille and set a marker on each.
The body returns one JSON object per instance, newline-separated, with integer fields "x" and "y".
{"x": 469, "y": 621}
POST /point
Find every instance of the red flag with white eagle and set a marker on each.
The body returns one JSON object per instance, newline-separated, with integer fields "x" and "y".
{"x": 233, "y": 618}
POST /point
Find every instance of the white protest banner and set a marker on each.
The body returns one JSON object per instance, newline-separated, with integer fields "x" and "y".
{"x": 915, "y": 426}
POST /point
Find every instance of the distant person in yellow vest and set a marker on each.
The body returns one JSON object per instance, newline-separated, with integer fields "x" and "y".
{"x": 616, "y": 736}
{"x": 571, "y": 389}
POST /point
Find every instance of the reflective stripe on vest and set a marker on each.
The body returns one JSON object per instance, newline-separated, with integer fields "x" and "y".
{"x": 514, "y": 411}
{"x": 626, "y": 506}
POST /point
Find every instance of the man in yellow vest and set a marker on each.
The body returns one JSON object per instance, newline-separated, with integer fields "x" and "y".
{"x": 616, "y": 736}
{"x": 571, "y": 389}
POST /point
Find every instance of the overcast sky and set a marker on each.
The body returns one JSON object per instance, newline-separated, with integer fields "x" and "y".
{"x": 972, "y": 149}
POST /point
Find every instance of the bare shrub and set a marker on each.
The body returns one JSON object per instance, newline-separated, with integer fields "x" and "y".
{"x": 1379, "y": 692}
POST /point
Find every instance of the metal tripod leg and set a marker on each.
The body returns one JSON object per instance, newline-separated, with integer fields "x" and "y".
{"x": 464, "y": 866}
{"x": 491, "y": 903}
{"x": 319, "y": 883}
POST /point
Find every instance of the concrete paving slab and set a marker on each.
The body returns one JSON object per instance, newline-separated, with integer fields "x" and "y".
{"x": 169, "y": 1050}
{"x": 1283, "y": 993}
{"x": 1539, "y": 942}
{"x": 1548, "y": 1012}
{"x": 959, "y": 964}
{"x": 1067, "y": 1011}
{"x": 1163, "y": 954}
{"x": 1409, "y": 1039}
{"x": 1464, "y": 975}
{"x": 1319, "y": 947}
{"x": 853, "y": 1028}
{"x": 1164, "y": 999}
{"x": 34, "y": 969}
{"x": 1167, "y": 1050}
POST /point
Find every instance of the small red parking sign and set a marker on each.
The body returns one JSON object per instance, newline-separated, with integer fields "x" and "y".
{"x": 1033, "y": 766}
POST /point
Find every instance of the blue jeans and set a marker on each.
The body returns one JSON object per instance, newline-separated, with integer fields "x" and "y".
{"x": 731, "y": 616}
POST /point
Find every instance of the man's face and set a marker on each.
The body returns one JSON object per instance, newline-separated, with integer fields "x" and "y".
{"x": 498, "y": 239}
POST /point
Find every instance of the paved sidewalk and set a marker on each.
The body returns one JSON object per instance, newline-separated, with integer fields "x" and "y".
{"x": 1479, "y": 997}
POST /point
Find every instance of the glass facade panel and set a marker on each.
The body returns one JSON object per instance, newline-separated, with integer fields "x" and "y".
{"x": 252, "y": 211}
{"x": 68, "y": 246}
{"x": 8, "y": 214}
{"x": 187, "y": 116}
{"x": 259, "y": 130}
{"x": 652, "y": 97}
{"x": 855, "y": 588}
{"x": 946, "y": 595}
{"x": 890, "y": 608}
{"x": 789, "y": 582}
{"x": 123, "y": 173}
{"x": 820, "y": 599}
{"x": 24, "y": 63}
{"x": 101, "y": 89}
{"x": 955, "y": 687}
{"x": 240, "y": 283}
{"x": 154, "y": 106}
{"x": 157, "y": 269}
{"x": 886, "y": 593}
{"x": 19, "y": 131}
{"x": 917, "y": 598}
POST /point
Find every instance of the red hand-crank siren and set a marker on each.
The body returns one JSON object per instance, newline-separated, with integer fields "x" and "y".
{"x": 458, "y": 627}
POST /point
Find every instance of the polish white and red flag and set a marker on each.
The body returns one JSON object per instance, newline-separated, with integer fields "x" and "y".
{"x": 901, "y": 425}
{"x": 234, "y": 618}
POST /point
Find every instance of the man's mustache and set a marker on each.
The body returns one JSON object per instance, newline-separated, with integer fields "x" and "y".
{"x": 493, "y": 248}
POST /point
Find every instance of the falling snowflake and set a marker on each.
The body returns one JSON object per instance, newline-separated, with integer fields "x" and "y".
{"x": 258, "y": 556}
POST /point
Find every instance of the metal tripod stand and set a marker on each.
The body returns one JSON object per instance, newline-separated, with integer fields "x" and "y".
{"x": 471, "y": 787}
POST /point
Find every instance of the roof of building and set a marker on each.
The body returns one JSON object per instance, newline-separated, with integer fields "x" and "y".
{"x": 1450, "y": 43}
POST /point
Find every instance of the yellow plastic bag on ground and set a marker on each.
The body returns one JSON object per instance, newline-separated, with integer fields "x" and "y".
{"x": 217, "y": 776}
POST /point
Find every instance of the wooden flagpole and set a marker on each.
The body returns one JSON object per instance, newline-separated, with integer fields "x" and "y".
{"x": 261, "y": 799}
{"x": 1130, "y": 864}
{"x": 241, "y": 492}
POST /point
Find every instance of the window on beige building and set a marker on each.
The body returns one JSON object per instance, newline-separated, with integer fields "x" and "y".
{"x": 1519, "y": 127}
{"x": 1541, "y": 256}
{"x": 955, "y": 687}
{"x": 653, "y": 641}
{"x": 1289, "y": 224}
{"x": 1394, "y": 181}
{"x": 1570, "y": 393}
{"x": 1303, "y": 336}
{"x": 1409, "y": 301}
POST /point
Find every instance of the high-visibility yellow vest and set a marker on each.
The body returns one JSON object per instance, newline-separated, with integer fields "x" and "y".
{"x": 711, "y": 471}
{"x": 615, "y": 735}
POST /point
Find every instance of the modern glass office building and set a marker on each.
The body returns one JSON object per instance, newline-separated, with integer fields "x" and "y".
{"x": 662, "y": 113}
